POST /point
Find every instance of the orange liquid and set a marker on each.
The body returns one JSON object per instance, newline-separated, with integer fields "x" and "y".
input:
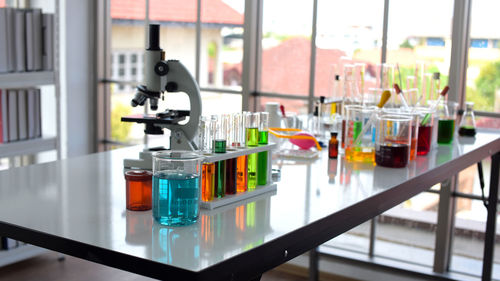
{"x": 413, "y": 149}
{"x": 360, "y": 154}
{"x": 207, "y": 181}
{"x": 139, "y": 195}
{"x": 241, "y": 173}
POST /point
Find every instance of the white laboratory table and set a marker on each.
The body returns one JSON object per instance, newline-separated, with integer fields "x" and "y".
{"x": 77, "y": 207}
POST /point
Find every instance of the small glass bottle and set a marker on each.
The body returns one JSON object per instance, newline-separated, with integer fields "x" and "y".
{"x": 468, "y": 123}
{"x": 333, "y": 146}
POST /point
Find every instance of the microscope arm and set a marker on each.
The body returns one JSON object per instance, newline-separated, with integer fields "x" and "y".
{"x": 180, "y": 80}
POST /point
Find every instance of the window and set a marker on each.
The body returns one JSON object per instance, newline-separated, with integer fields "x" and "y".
{"x": 483, "y": 66}
{"x": 220, "y": 56}
{"x": 347, "y": 35}
{"x": 286, "y": 47}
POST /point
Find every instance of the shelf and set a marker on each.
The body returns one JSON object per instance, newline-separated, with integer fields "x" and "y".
{"x": 26, "y": 79}
{"x": 20, "y": 253}
{"x": 27, "y": 147}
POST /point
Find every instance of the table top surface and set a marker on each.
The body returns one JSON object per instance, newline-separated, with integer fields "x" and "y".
{"x": 77, "y": 206}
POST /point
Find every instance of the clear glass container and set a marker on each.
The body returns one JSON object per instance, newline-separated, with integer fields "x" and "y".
{"x": 393, "y": 140}
{"x": 359, "y": 141}
{"x": 138, "y": 190}
{"x": 446, "y": 124}
{"x": 176, "y": 187}
{"x": 468, "y": 123}
{"x": 425, "y": 129}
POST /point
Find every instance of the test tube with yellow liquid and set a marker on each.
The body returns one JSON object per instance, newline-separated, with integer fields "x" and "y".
{"x": 252, "y": 140}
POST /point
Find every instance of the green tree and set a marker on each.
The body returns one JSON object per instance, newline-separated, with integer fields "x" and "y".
{"x": 487, "y": 83}
{"x": 120, "y": 130}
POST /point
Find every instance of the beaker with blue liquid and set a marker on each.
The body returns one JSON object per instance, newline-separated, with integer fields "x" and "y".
{"x": 176, "y": 187}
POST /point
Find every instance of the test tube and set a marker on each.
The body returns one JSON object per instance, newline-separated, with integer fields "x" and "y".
{"x": 220, "y": 141}
{"x": 220, "y": 167}
{"x": 207, "y": 181}
{"x": 360, "y": 79}
{"x": 242, "y": 161}
{"x": 252, "y": 140}
{"x": 207, "y": 124}
{"x": 262, "y": 156}
{"x": 231, "y": 162}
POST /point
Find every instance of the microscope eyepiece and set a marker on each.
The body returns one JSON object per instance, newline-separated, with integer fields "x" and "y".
{"x": 154, "y": 37}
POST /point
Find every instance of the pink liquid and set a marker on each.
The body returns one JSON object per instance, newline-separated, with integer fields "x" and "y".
{"x": 424, "y": 139}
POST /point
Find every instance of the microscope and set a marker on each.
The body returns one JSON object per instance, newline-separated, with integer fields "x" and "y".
{"x": 162, "y": 75}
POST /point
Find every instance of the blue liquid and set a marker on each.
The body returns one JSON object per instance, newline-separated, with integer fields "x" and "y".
{"x": 175, "y": 198}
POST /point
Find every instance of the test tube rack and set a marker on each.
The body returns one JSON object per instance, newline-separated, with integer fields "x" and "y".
{"x": 234, "y": 153}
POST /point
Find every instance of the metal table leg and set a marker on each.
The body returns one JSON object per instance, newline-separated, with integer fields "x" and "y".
{"x": 489, "y": 239}
{"x": 313, "y": 265}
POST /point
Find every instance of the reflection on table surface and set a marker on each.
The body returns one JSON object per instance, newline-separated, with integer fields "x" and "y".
{"x": 83, "y": 199}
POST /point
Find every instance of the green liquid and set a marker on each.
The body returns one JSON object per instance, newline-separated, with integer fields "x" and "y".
{"x": 220, "y": 146}
{"x": 356, "y": 128}
{"x": 252, "y": 171}
{"x": 263, "y": 137}
{"x": 262, "y": 160}
{"x": 446, "y": 128}
{"x": 252, "y": 136}
{"x": 262, "y": 168}
{"x": 220, "y": 179}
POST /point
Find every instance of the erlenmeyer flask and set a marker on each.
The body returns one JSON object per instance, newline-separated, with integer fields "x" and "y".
{"x": 468, "y": 123}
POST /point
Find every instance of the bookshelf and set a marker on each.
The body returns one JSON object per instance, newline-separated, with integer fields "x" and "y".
{"x": 50, "y": 139}
{"x": 28, "y": 147}
{"x": 27, "y": 79}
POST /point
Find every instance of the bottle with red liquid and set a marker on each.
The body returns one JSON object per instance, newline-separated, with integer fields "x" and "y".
{"x": 333, "y": 146}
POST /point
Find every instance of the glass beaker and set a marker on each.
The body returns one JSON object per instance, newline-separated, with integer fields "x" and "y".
{"x": 415, "y": 116}
{"x": 359, "y": 143}
{"x": 392, "y": 146}
{"x": 446, "y": 124}
{"x": 425, "y": 128}
{"x": 468, "y": 123}
{"x": 176, "y": 187}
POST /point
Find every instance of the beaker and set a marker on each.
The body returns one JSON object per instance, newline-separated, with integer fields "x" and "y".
{"x": 468, "y": 123}
{"x": 176, "y": 187}
{"x": 414, "y": 129}
{"x": 425, "y": 129}
{"x": 359, "y": 143}
{"x": 392, "y": 145}
{"x": 446, "y": 124}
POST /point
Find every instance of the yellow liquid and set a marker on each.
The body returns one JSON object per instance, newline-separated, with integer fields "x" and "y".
{"x": 360, "y": 154}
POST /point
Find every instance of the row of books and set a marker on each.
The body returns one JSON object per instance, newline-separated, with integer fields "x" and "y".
{"x": 26, "y": 40}
{"x": 20, "y": 114}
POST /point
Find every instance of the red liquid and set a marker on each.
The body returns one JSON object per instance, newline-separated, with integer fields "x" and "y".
{"x": 424, "y": 139}
{"x": 343, "y": 133}
{"x": 231, "y": 176}
{"x": 395, "y": 156}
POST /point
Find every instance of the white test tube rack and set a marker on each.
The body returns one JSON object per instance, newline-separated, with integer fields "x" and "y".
{"x": 240, "y": 196}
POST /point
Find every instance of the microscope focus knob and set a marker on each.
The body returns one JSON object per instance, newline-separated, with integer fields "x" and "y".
{"x": 172, "y": 87}
{"x": 161, "y": 68}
